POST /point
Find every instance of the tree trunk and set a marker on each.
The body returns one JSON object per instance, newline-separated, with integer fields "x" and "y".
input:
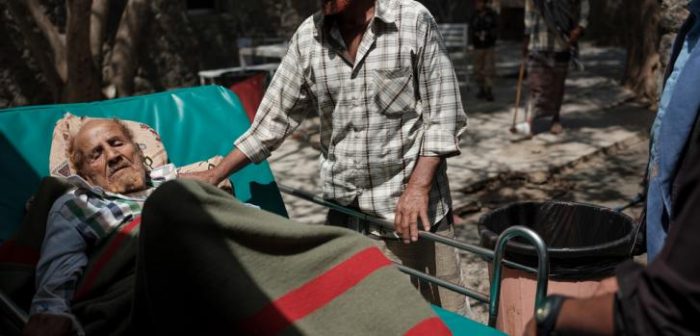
{"x": 642, "y": 39}
{"x": 84, "y": 83}
{"x": 124, "y": 57}
{"x": 98, "y": 24}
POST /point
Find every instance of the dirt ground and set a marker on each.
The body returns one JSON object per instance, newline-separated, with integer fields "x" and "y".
{"x": 609, "y": 179}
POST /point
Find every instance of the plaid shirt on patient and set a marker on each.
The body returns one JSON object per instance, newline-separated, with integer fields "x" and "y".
{"x": 399, "y": 100}
{"x": 80, "y": 219}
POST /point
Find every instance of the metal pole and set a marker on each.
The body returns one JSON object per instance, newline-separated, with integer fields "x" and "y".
{"x": 542, "y": 267}
{"x": 480, "y": 251}
{"x": 16, "y": 314}
{"x": 446, "y": 284}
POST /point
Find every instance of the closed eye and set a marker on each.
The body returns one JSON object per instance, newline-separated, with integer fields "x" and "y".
{"x": 115, "y": 142}
{"x": 95, "y": 154}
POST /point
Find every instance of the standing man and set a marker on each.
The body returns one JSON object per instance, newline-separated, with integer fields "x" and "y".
{"x": 552, "y": 31}
{"x": 378, "y": 75}
{"x": 483, "y": 25}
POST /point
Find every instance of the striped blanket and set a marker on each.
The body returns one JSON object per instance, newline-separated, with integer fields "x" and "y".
{"x": 207, "y": 264}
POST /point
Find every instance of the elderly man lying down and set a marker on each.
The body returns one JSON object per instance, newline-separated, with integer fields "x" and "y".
{"x": 201, "y": 263}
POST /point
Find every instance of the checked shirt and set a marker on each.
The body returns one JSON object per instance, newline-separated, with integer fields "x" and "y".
{"x": 397, "y": 101}
{"x": 82, "y": 218}
{"x": 541, "y": 37}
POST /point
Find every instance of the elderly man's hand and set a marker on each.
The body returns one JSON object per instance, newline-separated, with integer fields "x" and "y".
{"x": 412, "y": 206}
{"x": 207, "y": 176}
{"x": 48, "y": 325}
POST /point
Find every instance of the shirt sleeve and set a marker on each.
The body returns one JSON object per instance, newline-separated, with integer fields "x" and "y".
{"x": 283, "y": 108}
{"x": 585, "y": 11}
{"x": 63, "y": 258}
{"x": 530, "y": 17}
{"x": 444, "y": 119}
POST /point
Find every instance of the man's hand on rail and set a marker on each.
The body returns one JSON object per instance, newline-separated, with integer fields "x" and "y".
{"x": 413, "y": 203}
{"x": 412, "y": 206}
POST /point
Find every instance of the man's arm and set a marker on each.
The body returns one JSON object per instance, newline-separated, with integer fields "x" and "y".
{"x": 413, "y": 203}
{"x": 234, "y": 161}
{"x": 529, "y": 21}
{"x": 285, "y": 105}
{"x": 591, "y": 316}
{"x": 576, "y": 33}
{"x": 59, "y": 268}
{"x": 443, "y": 121}
{"x": 443, "y": 116}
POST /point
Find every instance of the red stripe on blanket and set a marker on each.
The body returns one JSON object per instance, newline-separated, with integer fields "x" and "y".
{"x": 13, "y": 253}
{"x": 314, "y": 294}
{"x": 430, "y": 327}
{"x": 109, "y": 252}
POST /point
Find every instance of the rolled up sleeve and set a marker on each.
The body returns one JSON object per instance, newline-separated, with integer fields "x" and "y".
{"x": 444, "y": 119}
{"x": 585, "y": 11}
{"x": 530, "y": 17}
{"x": 283, "y": 108}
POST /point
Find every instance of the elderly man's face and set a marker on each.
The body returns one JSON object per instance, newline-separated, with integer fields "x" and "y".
{"x": 110, "y": 159}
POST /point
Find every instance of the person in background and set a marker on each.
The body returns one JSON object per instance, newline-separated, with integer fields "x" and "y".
{"x": 483, "y": 25}
{"x": 552, "y": 31}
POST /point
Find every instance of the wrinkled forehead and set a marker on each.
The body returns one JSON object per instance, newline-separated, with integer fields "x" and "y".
{"x": 96, "y": 131}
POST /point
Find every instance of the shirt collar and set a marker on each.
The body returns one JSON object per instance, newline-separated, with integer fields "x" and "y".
{"x": 384, "y": 10}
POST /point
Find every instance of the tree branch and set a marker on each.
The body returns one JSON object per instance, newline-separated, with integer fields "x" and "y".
{"x": 124, "y": 56}
{"x": 52, "y": 36}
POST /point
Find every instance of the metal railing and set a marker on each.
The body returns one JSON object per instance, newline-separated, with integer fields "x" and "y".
{"x": 496, "y": 256}
{"x": 9, "y": 309}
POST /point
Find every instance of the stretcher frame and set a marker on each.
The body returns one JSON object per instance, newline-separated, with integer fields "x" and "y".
{"x": 495, "y": 256}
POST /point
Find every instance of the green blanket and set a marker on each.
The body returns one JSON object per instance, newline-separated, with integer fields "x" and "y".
{"x": 207, "y": 264}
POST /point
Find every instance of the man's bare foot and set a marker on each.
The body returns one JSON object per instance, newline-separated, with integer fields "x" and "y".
{"x": 556, "y": 128}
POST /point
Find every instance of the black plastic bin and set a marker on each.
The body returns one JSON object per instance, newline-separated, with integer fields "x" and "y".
{"x": 584, "y": 241}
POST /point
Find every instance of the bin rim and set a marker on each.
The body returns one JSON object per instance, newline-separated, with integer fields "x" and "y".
{"x": 612, "y": 248}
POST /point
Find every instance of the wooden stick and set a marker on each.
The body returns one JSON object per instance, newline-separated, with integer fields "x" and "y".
{"x": 521, "y": 74}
